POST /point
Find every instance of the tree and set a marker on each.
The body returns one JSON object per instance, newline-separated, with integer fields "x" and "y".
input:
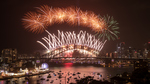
{"x": 140, "y": 76}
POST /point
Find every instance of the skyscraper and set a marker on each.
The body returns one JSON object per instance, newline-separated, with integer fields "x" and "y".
{"x": 9, "y": 55}
{"x": 121, "y": 49}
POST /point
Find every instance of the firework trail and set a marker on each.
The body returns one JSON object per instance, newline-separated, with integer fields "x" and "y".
{"x": 37, "y": 22}
{"x": 69, "y": 38}
{"x": 46, "y": 16}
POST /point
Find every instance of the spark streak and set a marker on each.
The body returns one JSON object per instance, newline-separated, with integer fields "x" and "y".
{"x": 68, "y": 38}
{"x": 46, "y": 16}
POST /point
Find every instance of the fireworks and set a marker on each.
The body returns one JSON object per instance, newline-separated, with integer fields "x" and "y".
{"x": 37, "y": 22}
{"x": 33, "y": 22}
{"x": 110, "y": 31}
{"x": 69, "y": 38}
{"x": 46, "y": 16}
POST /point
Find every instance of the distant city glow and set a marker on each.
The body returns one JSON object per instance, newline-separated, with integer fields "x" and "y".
{"x": 69, "y": 38}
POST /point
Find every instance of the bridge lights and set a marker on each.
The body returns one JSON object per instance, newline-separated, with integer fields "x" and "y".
{"x": 48, "y": 51}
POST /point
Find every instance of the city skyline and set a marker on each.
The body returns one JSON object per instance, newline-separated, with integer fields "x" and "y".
{"x": 132, "y": 16}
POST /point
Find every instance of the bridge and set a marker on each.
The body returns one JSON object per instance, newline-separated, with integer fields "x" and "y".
{"x": 70, "y": 41}
{"x": 72, "y": 46}
{"x": 47, "y": 59}
{"x": 84, "y": 53}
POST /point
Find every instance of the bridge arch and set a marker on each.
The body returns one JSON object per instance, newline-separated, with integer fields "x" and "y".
{"x": 66, "y": 40}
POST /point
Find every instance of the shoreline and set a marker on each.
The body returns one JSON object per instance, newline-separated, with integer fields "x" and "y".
{"x": 10, "y": 77}
{"x": 54, "y": 64}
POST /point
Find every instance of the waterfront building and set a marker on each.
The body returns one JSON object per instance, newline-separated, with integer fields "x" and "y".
{"x": 145, "y": 53}
{"x": 121, "y": 49}
{"x": 129, "y": 52}
{"x": 141, "y": 64}
{"x": 9, "y": 55}
{"x": 110, "y": 55}
{"x": 19, "y": 63}
{"x": 147, "y": 45}
{"x": 22, "y": 56}
{"x": 106, "y": 55}
{"x": 115, "y": 54}
{"x": 26, "y": 56}
{"x": 1, "y": 59}
{"x": 37, "y": 55}
{"x": 135, "y": 54}
{"x": 148, "y": 55}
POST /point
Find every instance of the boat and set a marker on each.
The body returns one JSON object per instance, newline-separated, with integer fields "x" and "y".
{"x": 39, "y": 76}
{"x": 75, "y": 78}
{"x": 73, "y": 74}
{"x": 98, "y": 73}
{"x": 42, "y": 78}
{"x": 54, "y": 74}
{"x": 47, "y": 80}
{"x": 49, "y": 76}
{"x": 78, "y": 73}
{"x": 60, "y": 76}
{"x": 52, "y": 81}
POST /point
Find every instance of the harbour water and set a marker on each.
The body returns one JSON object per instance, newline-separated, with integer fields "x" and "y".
{"x": 70, "y": 73}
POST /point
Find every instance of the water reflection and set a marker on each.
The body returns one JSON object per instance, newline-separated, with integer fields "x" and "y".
{"x": 70, "y": 74}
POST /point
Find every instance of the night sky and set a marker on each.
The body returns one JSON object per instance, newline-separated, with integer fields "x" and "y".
{"x": 133, "y": 17}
